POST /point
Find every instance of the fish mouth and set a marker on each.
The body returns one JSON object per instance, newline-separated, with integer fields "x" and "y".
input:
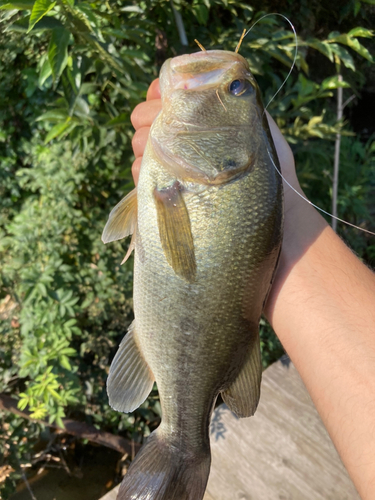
{"x": 199, "y": 70}
{"x": 207, "y": 60}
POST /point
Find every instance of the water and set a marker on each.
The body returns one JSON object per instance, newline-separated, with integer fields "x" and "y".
{"x": 94, "y": 470}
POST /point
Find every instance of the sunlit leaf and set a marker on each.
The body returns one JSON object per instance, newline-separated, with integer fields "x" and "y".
{"x": 23, "y": 402}
{"x": 40, "y": 9}
{"x": 57, "y": 130}
{"x": 353, "y": 43}
{"x": 54, "y": 115}
{"x": 362, "y": 32}
{"x": 58, "y": 51}
{"x": 23, "y": 5}
{"x": 64, "y": 362}
{"x": 344, "y": 55}
{"x": 333, "y": 82}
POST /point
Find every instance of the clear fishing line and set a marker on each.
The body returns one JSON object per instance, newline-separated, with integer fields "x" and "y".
{"x": 295, "y": 53}
{"x": 268, "y": 151}
{"x": 312, "y": 204}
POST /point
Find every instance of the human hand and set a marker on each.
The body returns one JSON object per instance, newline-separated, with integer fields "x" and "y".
{"x": 142, "y": 118}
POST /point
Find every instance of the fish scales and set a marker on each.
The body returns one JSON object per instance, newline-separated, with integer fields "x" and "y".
{"x": 207, "y": 239}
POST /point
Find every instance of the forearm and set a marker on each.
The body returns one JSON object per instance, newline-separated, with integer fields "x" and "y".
{"x": 322, "y": 307}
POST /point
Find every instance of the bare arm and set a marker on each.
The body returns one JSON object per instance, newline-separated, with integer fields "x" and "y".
{"x": 322, "y": 307}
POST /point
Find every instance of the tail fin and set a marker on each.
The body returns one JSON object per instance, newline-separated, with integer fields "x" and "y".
{"x": 162, "y": 471}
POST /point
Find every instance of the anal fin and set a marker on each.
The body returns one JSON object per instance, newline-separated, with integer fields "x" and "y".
{"x": 242, "y": 397}
{"x": 130, "y": 379}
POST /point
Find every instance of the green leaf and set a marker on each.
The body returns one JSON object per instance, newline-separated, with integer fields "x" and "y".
{"x": 334, "y": 83}
{"x": 70, "y": 89}
{"x": 57, "y": 130}
{"x": 42, "y": 289}
{"x": 23, "y": 402}
{"x": 58, "y": 51}
{"x": 39, "y": 413}
{"x": 70, "y": 323}
{"x": 64, "y": 362}
{"x": 88, "y": 12}
{"x": 48, "y": 23}
{"x": 59, "y": 422}
{"x": 323, "y": 47}
{"x": 354, "y": 44}
{"x": 53, "y": 393}
{"x": 40, "y": 9}
{"x": 201, "y": 13}
{"x": 363, "y": 32}
{"x": 45, "y": 72}
{"x": 81, "y": 108}
{"x": 122, "y": 119}
{"x": 68, "y": 351}
{"x": 24, "y": 5}
{"x": 54, "y": 115}
{"x": 344, "y": 56}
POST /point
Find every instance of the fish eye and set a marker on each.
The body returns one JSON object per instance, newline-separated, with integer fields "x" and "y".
{"x": 238, "y": 87}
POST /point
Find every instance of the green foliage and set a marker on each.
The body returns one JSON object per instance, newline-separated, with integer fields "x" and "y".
{"x": 71, "y": 73}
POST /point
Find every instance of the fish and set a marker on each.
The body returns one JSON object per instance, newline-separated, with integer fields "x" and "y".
{"x": 206, "y": 221}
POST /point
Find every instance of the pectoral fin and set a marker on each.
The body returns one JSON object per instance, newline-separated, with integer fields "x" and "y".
{"x": 242, "y": 396}
{"x": 130, "y": 379}
{"x": 175, "y": 231}
{"x": 122, "y": 220}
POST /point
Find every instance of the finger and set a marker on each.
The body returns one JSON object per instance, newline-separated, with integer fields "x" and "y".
{"x": 139, "y": 141}
{"x": 153, "y": 90}
{"x": 136, "y": 167}
{"x": 145, "y": 113}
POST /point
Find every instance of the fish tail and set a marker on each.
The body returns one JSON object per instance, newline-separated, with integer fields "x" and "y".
{"x": 162, "y": 471}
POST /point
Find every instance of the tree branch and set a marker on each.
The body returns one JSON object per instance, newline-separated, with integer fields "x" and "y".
{"x": 79, "y": 429}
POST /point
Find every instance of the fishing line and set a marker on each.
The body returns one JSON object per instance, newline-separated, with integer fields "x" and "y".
{"x": 295, "y": 53}
{"x": 268, "y": 151}
{"x": 313, "y": 204}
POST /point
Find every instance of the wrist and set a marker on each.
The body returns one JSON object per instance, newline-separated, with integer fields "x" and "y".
{"x": 302, "y": 226}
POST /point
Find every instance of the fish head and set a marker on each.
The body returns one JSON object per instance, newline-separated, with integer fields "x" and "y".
{"x": 212, "y": 125}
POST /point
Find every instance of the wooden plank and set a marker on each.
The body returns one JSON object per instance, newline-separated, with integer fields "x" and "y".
{"x": 283, "y": 452}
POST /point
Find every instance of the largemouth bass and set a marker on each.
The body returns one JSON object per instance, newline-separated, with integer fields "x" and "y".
{"x": 207, "y": 223}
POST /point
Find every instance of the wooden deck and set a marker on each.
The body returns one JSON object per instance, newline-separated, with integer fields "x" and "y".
{"x": 282, "y": 453}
